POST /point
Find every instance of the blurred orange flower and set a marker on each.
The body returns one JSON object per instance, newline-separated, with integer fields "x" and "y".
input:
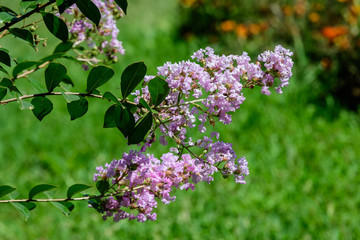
{"x": 331, "y": 32}
{"x": 314, "y": 17}
{"x": 227, "y": 26}
{"x": 241, "y": 31}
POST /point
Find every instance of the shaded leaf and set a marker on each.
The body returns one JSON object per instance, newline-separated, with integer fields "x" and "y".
{"x": 78, "y": 108}
{"x": 56, "y": 26}
{"x": 141, "y": 129}
{"x": 90, "y": 10}
{"x": 63, "y": 47}
{"x": 96, "y": 204}
{"x": 51, "y": 57}
{"x": 65, "y": 5}
{"x": 102, "y": 186}
{"x": 8, "y": 10}
{"x": 124, "y": 120}
{"x": 109, "y": 118}
{"x": 76, "y": 188}
{"x": 23, "y": 34}
{"x": 122, "y": 4}
{"x": 5, "y": 58}
{"x": 39, "y": 189}
{"x": 29, "y": 205}
{"x": 68, "y": 80}
{"x": 4, "y": 85}
{"x": 111, "y": 97}
{"x": 98, "y": 76}
{"x": 3, "y": 70}
{"x": 131, "y": 77}
{"x": 159, "y": 90}
{"x": 54, "y": 74}
{"x": 24, "y": 210}
{"x": 144, "y": 104}
{"x": 42, "y": 107}
{"x": 5, "y": 189}
{"x": 64, "y": 207}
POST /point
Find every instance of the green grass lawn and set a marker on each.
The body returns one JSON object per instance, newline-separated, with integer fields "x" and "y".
{"x": 303, "y": 159}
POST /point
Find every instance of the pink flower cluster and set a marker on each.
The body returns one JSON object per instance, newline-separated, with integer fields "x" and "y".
{"x": 202, "y": 94}
{"x": 101, "y": 40}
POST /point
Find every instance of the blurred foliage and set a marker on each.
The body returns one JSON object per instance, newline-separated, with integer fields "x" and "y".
{"x": 326, "y": 32}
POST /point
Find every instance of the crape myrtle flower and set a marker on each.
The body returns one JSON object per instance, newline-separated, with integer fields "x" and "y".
{"x": 100, "y": 41}
{"x": 203, "y": 93}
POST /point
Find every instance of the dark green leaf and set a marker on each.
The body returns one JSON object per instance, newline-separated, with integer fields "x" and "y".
{"x": 124, "y": 120}
{"x": 42, "y": 107}
{"x": 144, "y": 104}
{"x": 5, "y": 58}
{"x": 4, "y": 85}
{"x": 64, "y": 207}
{"x": 89, "y": 9}
{"x": 63, "y": 47}
{"x": 103, "y": 186}
{"x": 159, "y": 89}
{"x": 76, "y": 188}
{"x": 23, "y": 66}
{"x": 39, "y": 189}
{"x": 96, "y": 204}
{"x": 5, "y": 189}
{"x": 54, "y": 74}
{"x": 111, "y": 97}
{"x": 98, "y": 76}
{"x": 110, "y": 115}
{"x": 51, "y": 57}
{"x": 8, "y": 10}
{"x": 56, "y": 26}
{"x": 59, "y": 2}
{"x": 29, "y": 205}
{"x": 78, "y": 108}
{"x": 141, "y": 129}
{"x": 68, "y": 80}
{"x": 65, "y": 5}
{"x": 3, "y": 70}
{"x": 7, "y": 83}
{"x": 24, "y": 210}
{"x": 131, "y": 77}
{"x": 23, "y": 34}
{"x": 123, "y": 4}
{"x": 5, "y": 17}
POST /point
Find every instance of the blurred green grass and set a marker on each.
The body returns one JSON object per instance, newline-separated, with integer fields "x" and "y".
{"x": 303, "y": 159}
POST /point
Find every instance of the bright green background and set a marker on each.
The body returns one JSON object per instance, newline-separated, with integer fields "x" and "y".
{"x": 303, "y": 158}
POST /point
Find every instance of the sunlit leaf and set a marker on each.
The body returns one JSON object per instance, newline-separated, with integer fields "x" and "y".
{"x": 141, "y": 129}
{"x": 5, "y": 189}
{"x": 39, "y": 189}
{"x": 76, "y": 188}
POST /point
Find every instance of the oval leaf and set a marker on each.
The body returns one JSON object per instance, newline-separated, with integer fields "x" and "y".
{"x": 24, "y": 210}
{"x": 145, "y": 104}
{"x": 5, "y": 189}
{"x": 89, "y": 9}
{"x": 98, "y": 76}
{"x": 54, "y": 74}
{"x": 65, "y": 5}
{"x": 64, "y": 207}
{"x": 63, "y": 47}
{"x": 124, "y": 120}
{"x": 78, "y": 108}
{"x": 141, "y": 129}
{"x": 76, "y": 188}
{"x": 159, "y": 90}
{"x": 56, "y": 26}
{"x": 102, "y": 186}
{"x": 131, "y": 77}
{"x": 5, "y": 58}
{"x": 122, "y": 4}
{"x": 109, "y": 118}
{"x": 23, "y": 66}
{"x": 23, "y": 34}
{"x": 111, "y": 97}
{"x": 42, "y": 107}
{"x": 4, "y": 85}
{"x": 39, "y": 189}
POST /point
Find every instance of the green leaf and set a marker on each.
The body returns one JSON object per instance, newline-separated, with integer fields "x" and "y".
{"x": 63, "y": 47}
{"x": 5, "y": 58}
{"x": 23, "y": 34}
{"x": 64, "y": 207}
{"x": 8, "y": 10}
{"x": 144, "y": 104}
{"x": 124, "y": 120}
{"x": 56, "y": 26}
{"x": 51, "y": 57}
{"x": 29, "y": 205}
{"x": 4, "y": 85}
{"x": 25, "y": 105}
{"x": 131, "y": 77}
{"x": 122, "y": 4}
{"x": 65, "y": 5}
{"x": 24, "y": 210}
{"x": 6, "y": 17}
{"x": 68, "y": 80}
{"x": 141, "y": 129}
{"x": 98, "y": 76}
{"x": 5, "y": 189}
{"x": 76, "y": 188}
{"x": 23, "y": 66}
{"x": 102, "y": 186}
{"x": 3, "y": 70}
{"x": 59, "y": 2}
{"x": 36, "y": 84}
{"x": 78, "y": 108}
{"x": 69, "y": 97}
{"x": 54, "y": 74}
{"x": 42, "y": 107}
{"x": 89, "y": 9}
{"x": 109, "y": 118}
{"x": 159, "y": 90}
{"x": 111, "y": 97}
{"x": 39, "y": 189}
{"x": 96, "y": 204}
